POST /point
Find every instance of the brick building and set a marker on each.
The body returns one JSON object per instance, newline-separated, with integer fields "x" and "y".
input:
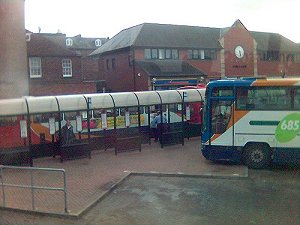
{"x": 60, "y": 65}
{"x": 159, "y": 56}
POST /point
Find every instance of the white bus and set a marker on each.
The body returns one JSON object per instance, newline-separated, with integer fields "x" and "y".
{"x": 254, "y": 121}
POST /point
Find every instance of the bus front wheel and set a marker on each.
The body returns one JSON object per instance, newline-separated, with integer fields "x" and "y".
{"x": 257, "y": 155}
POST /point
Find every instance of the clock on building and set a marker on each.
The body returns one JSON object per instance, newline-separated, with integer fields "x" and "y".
{"x": 239, "y": 51}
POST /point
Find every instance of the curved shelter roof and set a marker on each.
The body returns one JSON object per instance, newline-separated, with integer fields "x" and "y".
{"x": 42, "y": 104}
{"x": 100, "y": 101}
{"x": 192, "y": 95}
{"x": 148, "y": 98}
{"x": 11, "y": 107}
{"x": 170, "y": 97}
{"x": 65, "y": 103}
{"x": 124, "y": 99}
{"x": 71, "y": 102}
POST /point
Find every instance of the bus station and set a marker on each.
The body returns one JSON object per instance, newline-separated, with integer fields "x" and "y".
{"x": 71, "y": 189}
{"x": 158, "y": 124}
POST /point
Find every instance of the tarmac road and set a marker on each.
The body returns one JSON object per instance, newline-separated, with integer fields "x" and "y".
{"x": 265, "y": 197}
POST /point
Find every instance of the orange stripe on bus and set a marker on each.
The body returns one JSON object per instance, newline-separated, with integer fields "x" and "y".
{"x": 276, "y": 82}
{"x": 237, "y": 116}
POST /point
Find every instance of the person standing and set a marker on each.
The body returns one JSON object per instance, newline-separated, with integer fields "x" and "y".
{"x": 161, "y": 121}
{"x": 67, "y": 132}
{"x": 153, "y": 126}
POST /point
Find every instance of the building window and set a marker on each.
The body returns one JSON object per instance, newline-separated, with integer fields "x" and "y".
{"x": 113, "y": 63}
{"x": 35, "y": 67}
{"x": 98, "y": 42}
{"x": 209, "y": 54}
{"x": 297, "y": 57}
{"x": 67, "y": 67}
{"x": 175, "y": 54}
{"x": 147, "y": 53}
{"x": 290, "y": 58}
{"x": 130, "y": 61}
{"x": 27, "y": 37}
{"x": 203, "y": 54}
{"x": 69, "y": 42}
{"x": 168, "y": 54}
{"x": 107, "y": 64}
{"x": 195, "y": 54}
{"x": 270, "y": 56}
{"x": 154, "y": 53}
{"x": 161, "y": 53}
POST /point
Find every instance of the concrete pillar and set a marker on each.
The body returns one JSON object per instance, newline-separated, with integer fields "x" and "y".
{"x": 13, "y": 52}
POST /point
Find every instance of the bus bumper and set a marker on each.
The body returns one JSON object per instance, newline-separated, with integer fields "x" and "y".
{"x": 216, "y": 153}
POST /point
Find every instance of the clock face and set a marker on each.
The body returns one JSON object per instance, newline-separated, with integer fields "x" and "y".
{"x": 239, "y": 52}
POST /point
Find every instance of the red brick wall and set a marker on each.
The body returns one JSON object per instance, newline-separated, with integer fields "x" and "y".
{"x": 121, "y": 77}
{"x": 52, "y": 81}
{"x": 278, "y": 68}
{"x": 90, "y": 69}
{"x": 139, "y": 54}
{"x": 62, "y": 88}
{"x": 52, "y": 68}
{"x": 233, "y": 65}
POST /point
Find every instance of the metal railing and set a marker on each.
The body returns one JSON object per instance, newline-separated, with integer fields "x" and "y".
{"x": 32, "y": 179}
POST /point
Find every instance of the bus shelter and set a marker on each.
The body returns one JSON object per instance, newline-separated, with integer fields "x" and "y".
{"x": 148, "y": 101}
{"x": 37, "y": 125}
{"x": 71, "y": 110}
{"x": 116, "y": 121}
{"x": 43, "y": 117}
{"x": 171, "y": 111}
{"x": 14, "y": 130}
{"x": 193, "y": 100}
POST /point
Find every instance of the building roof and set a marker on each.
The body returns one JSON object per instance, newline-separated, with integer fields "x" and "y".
{"x": 49, "y": 44}
{"x": 85, "y": 43}
{"x": 42, "y": 44}
{"x": 272, "y": 41}
{"x": 168, "y": 68}
{"x": 163, "y": 35}
{"x": 152, "y": 35}
{"x": 123, "y": 39}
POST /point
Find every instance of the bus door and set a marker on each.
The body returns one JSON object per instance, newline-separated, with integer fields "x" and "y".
{"x": 221, "y": 130}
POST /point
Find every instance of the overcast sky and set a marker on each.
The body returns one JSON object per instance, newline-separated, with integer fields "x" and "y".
{"x": 98, "y": 18}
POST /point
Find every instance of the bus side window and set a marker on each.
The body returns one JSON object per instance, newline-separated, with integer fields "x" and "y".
{"x": 243, "y": 100}
{"x": 297, "y": 100}
{"x": 221, "y": 113}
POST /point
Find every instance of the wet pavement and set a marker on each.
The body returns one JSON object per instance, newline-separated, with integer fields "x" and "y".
{"x": 173, "y": 185}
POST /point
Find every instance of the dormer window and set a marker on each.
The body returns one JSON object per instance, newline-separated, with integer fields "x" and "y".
{"x": 98, "y": 42}
{"x": 69, "y": 42}
{"x": 27, "y": 37}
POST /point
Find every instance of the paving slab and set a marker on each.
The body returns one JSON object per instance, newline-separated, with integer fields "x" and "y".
{"x": 89, "y": 179}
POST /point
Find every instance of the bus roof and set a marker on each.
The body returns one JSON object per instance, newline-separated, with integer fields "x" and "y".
{"x": 255, "y": 82}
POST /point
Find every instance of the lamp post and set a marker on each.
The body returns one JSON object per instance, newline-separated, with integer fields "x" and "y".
{"x": 153, "y": 83}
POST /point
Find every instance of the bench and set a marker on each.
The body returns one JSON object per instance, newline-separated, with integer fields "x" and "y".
{"x": 74, "y": 151}
{"x": 132, "y": 143}
{"x": 15, "y": 156}
{"x": 172, "y": 138}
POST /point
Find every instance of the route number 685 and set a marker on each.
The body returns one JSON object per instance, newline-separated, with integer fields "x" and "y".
{"x": 290, "y": 125}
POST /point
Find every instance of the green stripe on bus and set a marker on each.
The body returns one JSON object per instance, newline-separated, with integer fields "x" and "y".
{"x": 264, "y": 123}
